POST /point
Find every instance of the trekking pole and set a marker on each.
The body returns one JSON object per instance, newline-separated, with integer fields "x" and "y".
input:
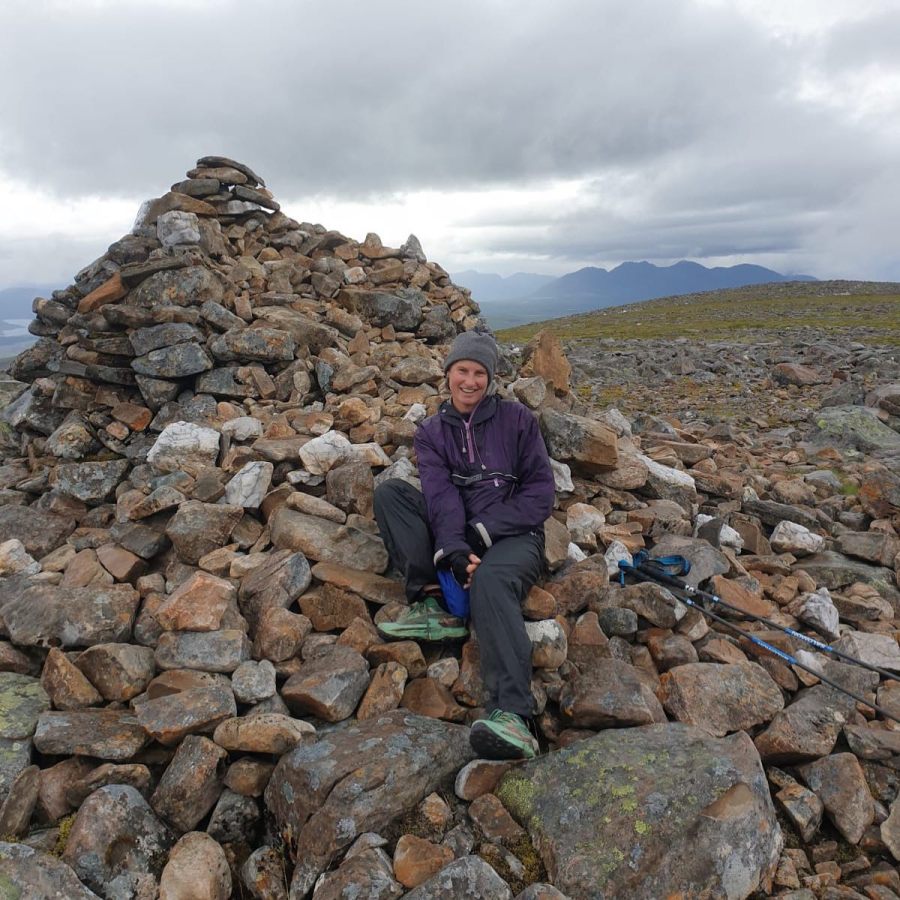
{"x": 655, "y": 569}
{"x": 775, "y": 651}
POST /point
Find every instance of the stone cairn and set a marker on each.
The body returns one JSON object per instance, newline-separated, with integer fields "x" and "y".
{"x": 195, "y": 703}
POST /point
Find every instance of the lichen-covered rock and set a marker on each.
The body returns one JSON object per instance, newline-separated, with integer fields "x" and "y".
{"x": 582, "y": 443}
{"x": 359, "y": 778}
{"x": 49, "y": 615}
{"x": 468, "y": 876}
{"x": 25, "y": 872}
{"x": 116, "y": 833}
{"x": 105, "y": 733}
{"x": 652, "y": 812}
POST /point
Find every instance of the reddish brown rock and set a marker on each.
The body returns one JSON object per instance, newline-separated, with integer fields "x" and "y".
{"x": 197, "y": 604}
{"x": 745, "y": 600}
{"x": 122, "y": 564}
{"x": 407, "y": 653}
{"x": 611, "y": 694}
{"x": 469, "y": 689}
{"x": 197, "y": 870}
{"x": 543, "y": 356}
{"x": 110, "y": 291}
{"x": 806, "y": 729}
{"x": 191, "y": 784}
{"x": 136, "y": 417}
{"x": 579, "y": 586}
{"x": 83, "y": 569}
{"x": 19, "y": 804}
{"x": 718, "y": 650}
{"x": 331, "y": 608}
{"x": 55, "y": 783}
{"x": 385, "y": 690}
{"x": 840, "y": 784}
{"x": 428, "y": 697}
{"x": 105, "y": 733}
{"x": 263, "y": 733}
{"x": 493, "y": 821}
{"x": 374, "y": 588}
{"x": 670, "y": 650}
{"x": 248, "y": 776}
{"x": 169, "y": 718}
{"x": 794, "y": 373}
{"x": 539, "y": 604}
{"x": 66, "y": 684}
{"x": 417, "y": 859}
{"x": 174, "y": 681}
{"x": 720, "y": 698}
{"x": 360, "y": 634}
{"x": 118, "y": 671}
{"x": 280, "y": 634}
{"x": 479, "y": 777}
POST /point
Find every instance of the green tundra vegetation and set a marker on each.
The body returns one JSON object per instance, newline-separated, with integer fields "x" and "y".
{"x": 862, "y": 310}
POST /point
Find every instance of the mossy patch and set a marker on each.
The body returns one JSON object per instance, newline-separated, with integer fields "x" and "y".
{"x": 65, "y": 829}
{"x": 8, "y": 890}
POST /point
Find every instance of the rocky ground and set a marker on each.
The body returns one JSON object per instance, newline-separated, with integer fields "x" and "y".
{"x": 194, "y": 701}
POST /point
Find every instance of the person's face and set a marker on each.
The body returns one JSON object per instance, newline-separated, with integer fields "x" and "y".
{"x": 468, "y": 380}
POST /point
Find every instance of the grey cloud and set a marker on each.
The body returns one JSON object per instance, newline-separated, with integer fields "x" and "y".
{"x": 394, "y": 95}
{"x": 685, "y": 121}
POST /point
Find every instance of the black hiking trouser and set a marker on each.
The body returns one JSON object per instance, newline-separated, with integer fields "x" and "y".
{"x": 507, "y": 571}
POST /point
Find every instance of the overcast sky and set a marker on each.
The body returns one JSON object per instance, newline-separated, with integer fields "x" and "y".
{"x": 509, "y": 135}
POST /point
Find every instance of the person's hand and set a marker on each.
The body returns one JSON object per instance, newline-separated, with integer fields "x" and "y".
{"x": 458, "y": 563}
{"x": 473, "y": 563}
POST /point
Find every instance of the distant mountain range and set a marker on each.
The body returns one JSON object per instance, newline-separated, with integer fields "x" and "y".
{"x": 485, "y": 286}
{"x": 524, "y": 297}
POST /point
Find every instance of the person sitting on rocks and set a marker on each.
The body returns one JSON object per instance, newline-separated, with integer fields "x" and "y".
{"x": 487, "y": 488}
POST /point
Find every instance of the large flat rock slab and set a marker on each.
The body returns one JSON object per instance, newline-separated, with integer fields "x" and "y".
{"x": 112, "y": 734}
{"x": 48, "y": 615}
{"x": 359, "y": 778}
{"x": 660, "y": 811}
{"x": 326, "y": 541}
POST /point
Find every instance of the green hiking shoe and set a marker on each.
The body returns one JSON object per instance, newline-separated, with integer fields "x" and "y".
{"x": 503, "y": 735}
{"x": 424, "y": 621}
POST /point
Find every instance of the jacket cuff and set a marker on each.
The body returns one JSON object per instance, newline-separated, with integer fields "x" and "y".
{"x": 444, "y": 552}
{"x": 484, "y": 534}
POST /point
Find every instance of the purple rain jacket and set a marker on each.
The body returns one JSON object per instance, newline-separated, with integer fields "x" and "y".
{"x": 489, "y": 474}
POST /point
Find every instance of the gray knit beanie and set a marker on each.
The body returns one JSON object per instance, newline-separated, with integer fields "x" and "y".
{"x": 480, "y": 348}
